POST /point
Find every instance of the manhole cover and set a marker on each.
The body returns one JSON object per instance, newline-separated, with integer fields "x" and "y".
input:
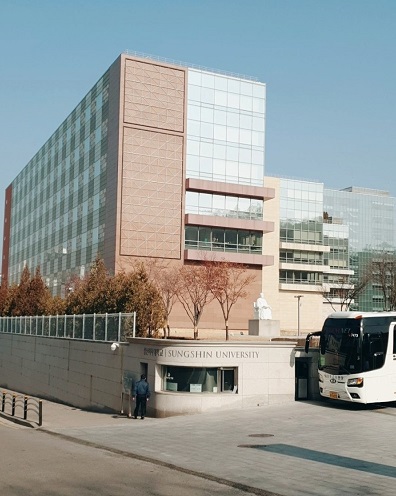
{"x": 261, "y": 435}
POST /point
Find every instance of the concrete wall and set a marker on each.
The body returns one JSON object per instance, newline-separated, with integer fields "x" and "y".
{"x": 81, "y": 373}
{"x": 265, "y": 373}
{"x": 90, "y": 375}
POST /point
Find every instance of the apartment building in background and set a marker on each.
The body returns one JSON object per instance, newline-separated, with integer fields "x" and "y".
{"x": 157, "y": 161}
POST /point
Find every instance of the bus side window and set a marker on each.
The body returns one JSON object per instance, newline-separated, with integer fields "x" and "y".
{"x": 373, "y": 351}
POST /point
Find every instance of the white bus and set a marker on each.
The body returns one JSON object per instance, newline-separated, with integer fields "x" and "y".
{"x": 357, "y": 356}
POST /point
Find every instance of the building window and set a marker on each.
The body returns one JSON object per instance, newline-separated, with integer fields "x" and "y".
{"x": 301, "y": 257}
{"x": 223, "y": 206}
{"x": 300, "y": 277}
{"x": 215, "y": 239}
{"x": 199, "y": 379}
{"x": 306, "y": 232}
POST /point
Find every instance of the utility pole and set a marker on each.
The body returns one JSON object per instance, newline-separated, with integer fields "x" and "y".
{"x": 298, "y": 312}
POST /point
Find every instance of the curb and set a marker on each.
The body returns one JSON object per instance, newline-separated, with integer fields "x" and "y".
{"x": 16, "y": 420}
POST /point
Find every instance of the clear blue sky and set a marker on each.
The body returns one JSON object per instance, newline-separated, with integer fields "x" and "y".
{"x": 329, "y": 66}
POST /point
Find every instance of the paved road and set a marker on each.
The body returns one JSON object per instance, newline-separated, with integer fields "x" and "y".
{"x": 37, "y": 464}
{"x": 301, "y": 448}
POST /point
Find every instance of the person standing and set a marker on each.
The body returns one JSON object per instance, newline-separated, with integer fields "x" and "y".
{"x": 141, "y": 393}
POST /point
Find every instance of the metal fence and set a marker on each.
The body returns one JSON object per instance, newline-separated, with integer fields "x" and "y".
{"x": 94, "y": 327}
{"x": 186, "y": 64}
{"x": 19, "y": 406}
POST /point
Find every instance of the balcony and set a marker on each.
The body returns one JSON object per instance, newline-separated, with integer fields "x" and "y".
{"x": 215, "y": 251}
{"x": 228, "y": 223}
{"x": 241, "y": 190}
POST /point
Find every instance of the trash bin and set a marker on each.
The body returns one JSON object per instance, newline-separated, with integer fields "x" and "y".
{"x": 302, "y": 366}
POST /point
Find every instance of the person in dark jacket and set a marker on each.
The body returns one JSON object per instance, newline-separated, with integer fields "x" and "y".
{"x": 141, "y": 392}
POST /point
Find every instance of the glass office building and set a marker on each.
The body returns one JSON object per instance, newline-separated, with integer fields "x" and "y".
{"x": 370, "y": 216}
{"x": 225, "y": 128}
{"x": 158, "y": 160}
{"x": 301, "y": 233}
{"x": 225, "y": 144}
{"x": 57, "y": 209}
{"x": 312, "y": 256}
{"x": 328, "y": 238}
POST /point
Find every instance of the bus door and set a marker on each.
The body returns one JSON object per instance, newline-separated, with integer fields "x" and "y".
{"x": 394, "y": 342}
{"x": 393, "y": 379}
{"x": 374, "y": 350}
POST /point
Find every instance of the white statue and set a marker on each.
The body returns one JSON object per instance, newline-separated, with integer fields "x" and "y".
{"x": 262, "y": 310}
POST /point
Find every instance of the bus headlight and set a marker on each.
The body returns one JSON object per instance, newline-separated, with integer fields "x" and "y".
{"x": 356, "y": 382}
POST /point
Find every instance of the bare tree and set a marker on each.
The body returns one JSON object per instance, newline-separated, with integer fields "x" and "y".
{"x": 166, "y": 279}
{"x": 194, "y": 292}
{"x": 382, "y": 270}
{"x": 228, "y": 283}
{"x": 344, "y": 291}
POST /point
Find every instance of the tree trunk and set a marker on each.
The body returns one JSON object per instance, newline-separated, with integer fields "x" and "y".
{"x": 227, "y": 333}
{"x": 166, "y": 329}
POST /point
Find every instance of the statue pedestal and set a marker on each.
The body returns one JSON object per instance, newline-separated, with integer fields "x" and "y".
{"x": 266, "y": 328}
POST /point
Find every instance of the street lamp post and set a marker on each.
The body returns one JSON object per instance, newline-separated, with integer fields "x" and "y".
{"x": 298, "y": 312}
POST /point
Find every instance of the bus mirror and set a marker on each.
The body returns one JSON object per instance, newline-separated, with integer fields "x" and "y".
{"x": 308, "y": 339}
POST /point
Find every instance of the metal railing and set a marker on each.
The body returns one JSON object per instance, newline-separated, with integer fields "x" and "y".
{"x": 222, "y": 247}
{"x": 142, "y": 55}
{"x": 19, "y": 406}
{"x": 93, "y": 327}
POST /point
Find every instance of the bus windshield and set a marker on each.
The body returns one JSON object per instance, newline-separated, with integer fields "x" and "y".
{"x": 351, "y": 346}
{"x": 341, "y": 347}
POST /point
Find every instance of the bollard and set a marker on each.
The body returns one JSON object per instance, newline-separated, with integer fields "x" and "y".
{"x": 122, "y": 403}
{"x": 25, "y": 407}
{"x": 40, "y": 413}
{"x": 26, "y": 402}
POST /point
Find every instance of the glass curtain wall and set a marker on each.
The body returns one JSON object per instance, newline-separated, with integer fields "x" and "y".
{"x": 370, "y": 216}
{"x": 224, "y": 206}
{"x": 225, "y": 240}
{"x": 59, "y": 197}
{"x": 301, "y": 223}
{"x": 225, "y": 128}
{"x": 225, "y": 142}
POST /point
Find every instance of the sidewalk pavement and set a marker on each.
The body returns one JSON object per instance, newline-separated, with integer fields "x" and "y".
{"x": 299, "y": 448}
